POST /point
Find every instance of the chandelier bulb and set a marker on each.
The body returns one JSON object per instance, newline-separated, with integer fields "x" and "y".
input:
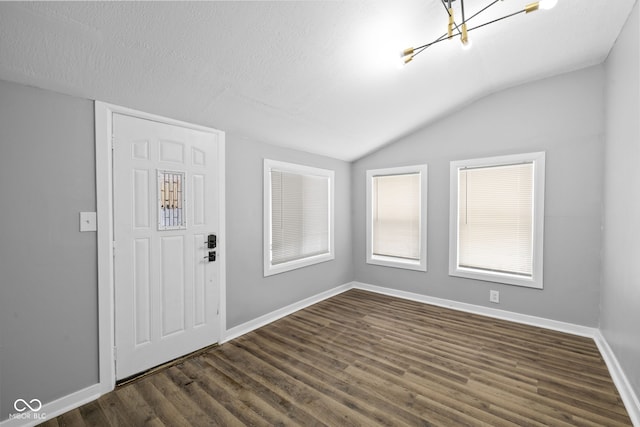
{"x": 547, "y": 4}
{"x": 406, "y": 52}
{"x": 454, "y": 30}
{"x": 464, "y": 37}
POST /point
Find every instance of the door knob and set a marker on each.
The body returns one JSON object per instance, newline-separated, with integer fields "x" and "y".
{"x": 211, "y": 257}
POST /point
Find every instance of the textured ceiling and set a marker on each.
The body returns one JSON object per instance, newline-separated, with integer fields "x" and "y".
{"x": 319, "y": 76}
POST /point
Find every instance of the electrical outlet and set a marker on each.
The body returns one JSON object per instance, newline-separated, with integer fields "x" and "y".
{"x": 494, "y": 296}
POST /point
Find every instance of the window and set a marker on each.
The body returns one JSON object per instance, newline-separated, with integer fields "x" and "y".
{"x": 171, "y": 204}
{"x": 497, "y": 218}
{"x": 397, "y": 217}
{"x": 298, "y": 216}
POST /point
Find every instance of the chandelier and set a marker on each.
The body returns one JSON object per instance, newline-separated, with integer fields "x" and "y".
{"x": 453, "y": 29}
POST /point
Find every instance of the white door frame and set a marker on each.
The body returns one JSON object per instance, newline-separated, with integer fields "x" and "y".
{"x": 104, "y": 201}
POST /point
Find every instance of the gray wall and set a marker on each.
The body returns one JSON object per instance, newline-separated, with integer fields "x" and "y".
{"x": 48, "y": 273}
{"x": 620, "y": 309}
{"x": 48, "y": 270}
{"x": 249, "y": 294}
{"x": 563, "y": 116}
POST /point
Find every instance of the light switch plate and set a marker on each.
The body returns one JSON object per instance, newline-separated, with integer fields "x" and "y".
{"x": 88, "y": 221}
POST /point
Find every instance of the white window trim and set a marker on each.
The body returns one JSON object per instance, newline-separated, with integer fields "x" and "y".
{"x": 535, "y": 281}
{"x": 390, "y": 261}
{"x": 269, "y": 165}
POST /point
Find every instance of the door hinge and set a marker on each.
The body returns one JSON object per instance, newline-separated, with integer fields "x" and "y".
{"x": 113, "y": 248}
{"x": 115, "y": 358}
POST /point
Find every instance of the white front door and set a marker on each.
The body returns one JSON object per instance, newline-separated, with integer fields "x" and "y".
{"x": 166, "y": 204}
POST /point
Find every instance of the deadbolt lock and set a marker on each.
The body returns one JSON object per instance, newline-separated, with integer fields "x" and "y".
{"x": 212, "y": 241}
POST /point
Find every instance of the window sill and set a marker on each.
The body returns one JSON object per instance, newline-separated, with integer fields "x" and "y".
{"x": 389, "y": 261}
{"x": 507, "y": 279}
{"x": 270, "y": 270}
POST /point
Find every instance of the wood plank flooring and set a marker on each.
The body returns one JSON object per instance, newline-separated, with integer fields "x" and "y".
{"x": 363, "y": 359}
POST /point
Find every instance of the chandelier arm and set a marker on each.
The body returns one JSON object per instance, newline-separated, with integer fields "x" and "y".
{"x": 449, "y": 14}
{"x": 470, "y": 18}
{"x": 462, "y": 7}
{"x": 497, "y": 19}
{"x": 420, "y": 49}
{"x": 475, "y": 14}
{"x": 443, "y": 37}
{"x": 482, "y": 10}
{"x": 446, "y": 9}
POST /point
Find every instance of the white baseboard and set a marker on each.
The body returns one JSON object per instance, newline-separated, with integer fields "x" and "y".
{"x": 629, "y": 398}
{"x": 631, "y": 402}
{"x": 53, "y": 409}
{"x": 621, "y": 381}
{"x": 282, "y": 312}
{"x": 484, "y": 311}
{"x": 469, "y": 308}
{"x": 79, "y": 398}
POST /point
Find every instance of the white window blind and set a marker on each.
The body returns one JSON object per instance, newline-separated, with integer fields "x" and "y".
{"x": 495, "y": 218}
{"x": 299, "y": 216}
{"x": 396, "y": 215}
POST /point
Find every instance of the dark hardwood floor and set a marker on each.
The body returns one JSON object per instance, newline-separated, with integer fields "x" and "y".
{"x": 366, "y": 359}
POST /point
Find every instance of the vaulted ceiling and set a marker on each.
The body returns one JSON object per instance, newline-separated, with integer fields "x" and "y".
{"x": 318, "y": 76}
